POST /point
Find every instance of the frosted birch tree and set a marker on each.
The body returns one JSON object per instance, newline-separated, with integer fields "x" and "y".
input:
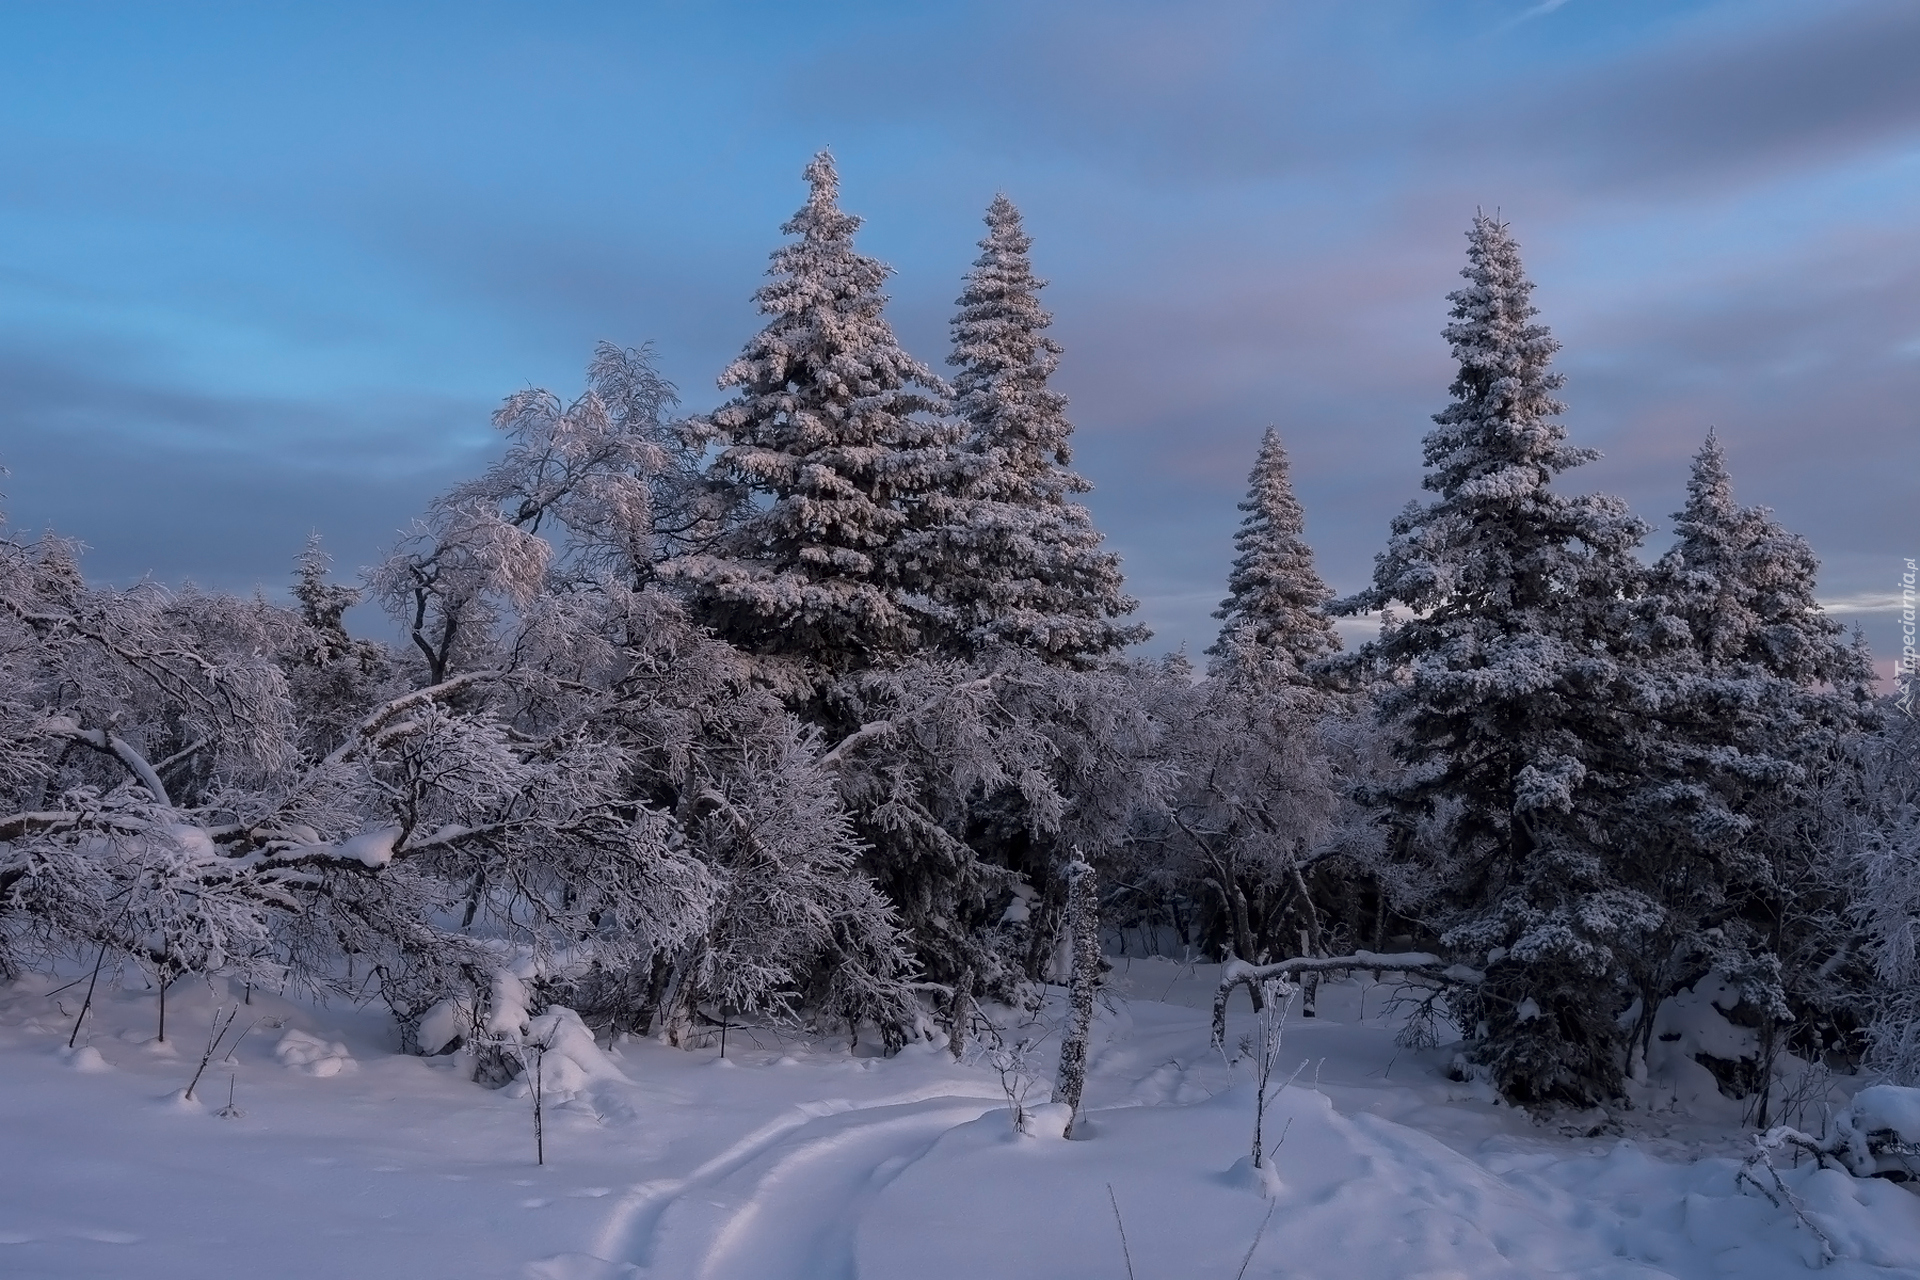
{"x": 557, "y": 610}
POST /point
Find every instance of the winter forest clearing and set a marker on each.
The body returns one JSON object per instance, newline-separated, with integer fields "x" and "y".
{"x": 758, "y": 855}
{"x": 793, "y": 1158}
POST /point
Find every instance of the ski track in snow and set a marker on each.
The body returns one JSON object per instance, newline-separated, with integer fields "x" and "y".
{"x": 785, "y": 1200}
{"x": 823, "y": 1166}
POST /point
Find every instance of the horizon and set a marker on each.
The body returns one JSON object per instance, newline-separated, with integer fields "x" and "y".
{"x": 265, "y": 273}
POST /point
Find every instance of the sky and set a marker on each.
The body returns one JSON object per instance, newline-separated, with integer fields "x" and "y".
{"x": 265, "y": 270}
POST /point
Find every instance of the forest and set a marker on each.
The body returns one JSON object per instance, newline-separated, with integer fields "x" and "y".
{"x": 825, "y": 709}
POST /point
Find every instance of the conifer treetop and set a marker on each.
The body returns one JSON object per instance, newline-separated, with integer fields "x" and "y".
{"x": 1005, "y": 357}
{"x": 836, "y": 429}
{"x": 1274, "y": 616}
{"x": 1009, "y": 558}
{"x": 1498, "y": 533}
{"x": 828, "y": 333}
{"x": 1501, "y": 419}
{"x": 1745, "y": 587}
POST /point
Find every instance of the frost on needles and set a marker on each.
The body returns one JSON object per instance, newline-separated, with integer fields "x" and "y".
{"x": 1510, "y": 682}
{"x": 834, "y": 433}
{"x": 1010, "y": 559}
{"x": 1273, "y": 623}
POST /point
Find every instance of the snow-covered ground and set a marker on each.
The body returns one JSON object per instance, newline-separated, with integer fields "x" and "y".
{"x": 796, "y": 1159}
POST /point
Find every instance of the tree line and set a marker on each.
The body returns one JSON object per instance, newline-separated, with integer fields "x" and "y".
{"x": 802, "y": 709}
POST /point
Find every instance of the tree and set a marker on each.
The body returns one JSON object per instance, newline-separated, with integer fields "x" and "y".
{"x": 1252, "y": 810}
{"x": 1508, "y": 687}
{"x": 607, "y": 469}
{"x": 1273, "y": 622}
{"x": 1880, "y": 841}
{"x": 1083, "y": 928}
{"x": 1744, "y": 586}
{"x": 544, "y": 569}
{"x": 1012, "y": 559}
{"x": 969, "y": 778}
{"x": 1759, "y": 695}
{"x": 834, "y": 436}
{"x": 563, "y": 779}
{"x": 797, "y": 922}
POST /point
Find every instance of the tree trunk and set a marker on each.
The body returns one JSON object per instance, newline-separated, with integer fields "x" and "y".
{"x": 1312, "y": 942}
{"x": 1083, "y": 921}
{"x": 960, "y": 1012}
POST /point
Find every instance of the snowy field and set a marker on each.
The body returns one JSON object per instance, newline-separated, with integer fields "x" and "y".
{"x": 794, "y": 1159}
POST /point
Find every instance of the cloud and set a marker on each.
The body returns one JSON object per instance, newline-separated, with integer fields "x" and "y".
{"x": 1865, "y": 602}
{"x": 1540, "y": 10}
{"x": 1252, "y": 214}
{"x": 50, "y": 396}
{"x": 1725, "y": 101}
{"x": 180, "y": 484}
{"x": 1369, "y": 100}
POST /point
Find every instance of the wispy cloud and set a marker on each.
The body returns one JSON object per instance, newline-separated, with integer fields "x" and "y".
{"x": 1864, "y": 602}
{"x": 1540, "y": 10}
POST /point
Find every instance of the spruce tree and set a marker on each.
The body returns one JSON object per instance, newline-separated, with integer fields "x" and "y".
{"x": 834, "y": 434}
{"x": 1758, "y": 692}
{"x": 1745, "y": 588}
{"x": 1273, "y": 621}
{"x": 1011, "y": 559}
{"x": 1509, "y": 693}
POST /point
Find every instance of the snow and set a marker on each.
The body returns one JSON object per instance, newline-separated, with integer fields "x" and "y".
{"x": 442, "y": 1024}
{"x": 372, "y": 848}
{"x": 312, "y": 1055}
{"x": 1886, "y": 1107}
{"x": 570, "y": 1059}
{"x": 805, "y": 1161}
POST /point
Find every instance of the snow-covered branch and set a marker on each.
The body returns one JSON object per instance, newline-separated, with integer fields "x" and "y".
{"x": 370, "y": 730}
{"x": 1414, "y": 964}
{"x": 113, "y": 745}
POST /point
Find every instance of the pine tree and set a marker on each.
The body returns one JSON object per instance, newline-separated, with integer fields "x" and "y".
{"x": 1273, "y": 621}
{"x": 832, "y": 432}
{"x": 1012, "y": 560}
{"x": 1510, "y": 692}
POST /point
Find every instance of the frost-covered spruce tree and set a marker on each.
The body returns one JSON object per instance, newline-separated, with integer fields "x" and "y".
{"x": 833, "y": 433}
{"x": 1760, "y": 693}
{"x": 1745, "y": 587}
{"x": 1012, "y": 559}
{"x": 1509, "y": 692}
{"x": 1273, "y": 621}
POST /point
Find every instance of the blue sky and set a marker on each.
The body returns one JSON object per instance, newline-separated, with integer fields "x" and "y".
{"x": 266, "y": 269}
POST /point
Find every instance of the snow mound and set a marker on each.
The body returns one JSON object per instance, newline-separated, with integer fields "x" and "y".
{"x": 579, "y": 1266}
{"x": 1262, "y": 1181}
{"x": 572, "y": 1059}
{"x": 1686, "y": 1027}
{"x": 85, "y": 1058}
{"x": 443, "y": 1024}
{"x": 1049, "y": 1120}
{"x": 1881, "y": 1131}
{"x": 300, "y": 1051}
{"x": 1885, "y": 1108}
